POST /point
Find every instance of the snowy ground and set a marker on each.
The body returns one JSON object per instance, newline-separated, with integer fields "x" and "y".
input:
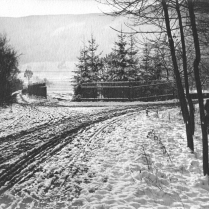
{"x": 60, "y": 95}
{"x": 143, "y": 162}
{"x": 117, "y": 158}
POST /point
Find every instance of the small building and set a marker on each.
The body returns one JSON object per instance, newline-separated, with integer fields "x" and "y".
{"x": 38, "y": 89}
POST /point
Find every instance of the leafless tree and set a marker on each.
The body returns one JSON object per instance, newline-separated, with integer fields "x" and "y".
{"x": 173, "y": 18}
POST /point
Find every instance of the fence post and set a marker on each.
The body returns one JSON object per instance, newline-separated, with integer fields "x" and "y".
{"x": 129, "y": 90}
{"x": 132, "y": 91}
{"x": 81, "y": 92}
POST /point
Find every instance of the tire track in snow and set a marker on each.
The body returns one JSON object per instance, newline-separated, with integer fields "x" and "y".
{"x": 83, "y": 154}
{"x": 27, "y": 164}
{"x": 15, "y": 171}
{"x": 150, "y": 171}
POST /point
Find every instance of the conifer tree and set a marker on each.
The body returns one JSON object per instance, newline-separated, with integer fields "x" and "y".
{"x": 151, "y": 63}
{"x": 121, "y": 58}
{"x": 89, "y": 67}
{"x": 110, "y": 67}
{"x": 94, "y": 63}
{"x": 122, "y": 64}
{"x": 133, "y": 61}
{"x": 146, "y": 66}
{"x": 82, "y": 72}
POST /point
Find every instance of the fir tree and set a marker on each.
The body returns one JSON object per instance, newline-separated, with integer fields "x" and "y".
{"x": 110, "y": 67}
{"x": 147, "y": 66}
{"x": 153, "y": 62}
{"x": 82, "y": 72}
{"x": 89, "y": 67}
{"x": 122, "y": 63}
{"x": 94, "y": 62}
{"x": 121, "y": 58}
{"x": 133, "y": 61}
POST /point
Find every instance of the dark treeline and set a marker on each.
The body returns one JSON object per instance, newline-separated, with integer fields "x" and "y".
{"x": 9, "y": 71}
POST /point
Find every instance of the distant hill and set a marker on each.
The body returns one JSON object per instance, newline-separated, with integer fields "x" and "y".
{"x": 49, "y": 45}
{"x": 58, "y": 37}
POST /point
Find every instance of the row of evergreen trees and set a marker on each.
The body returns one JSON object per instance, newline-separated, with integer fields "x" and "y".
{"x": 122, "y": 64}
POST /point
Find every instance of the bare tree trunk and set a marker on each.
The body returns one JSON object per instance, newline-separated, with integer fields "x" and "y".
{"x": 190, "y": 124}
{"x": 180, "y": 88}
{"x": 199, "y": 87}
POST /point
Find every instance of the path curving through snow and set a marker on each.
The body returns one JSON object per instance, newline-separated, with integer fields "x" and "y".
{"x": 144, "y": 163}
{"x": 116, "y": 158}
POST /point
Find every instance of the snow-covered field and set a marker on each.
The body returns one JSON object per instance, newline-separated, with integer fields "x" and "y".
{"x": 123, "y": 160}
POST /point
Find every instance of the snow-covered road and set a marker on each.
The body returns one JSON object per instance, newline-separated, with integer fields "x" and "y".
{"x": 32, "y": 133}
{"x": 113, "y": 157}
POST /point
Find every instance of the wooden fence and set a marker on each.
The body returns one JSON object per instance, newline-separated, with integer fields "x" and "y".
{"x": 128, "y": 91}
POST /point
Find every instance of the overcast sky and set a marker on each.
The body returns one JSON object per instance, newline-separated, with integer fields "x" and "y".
{"x": 19, "y": 8}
